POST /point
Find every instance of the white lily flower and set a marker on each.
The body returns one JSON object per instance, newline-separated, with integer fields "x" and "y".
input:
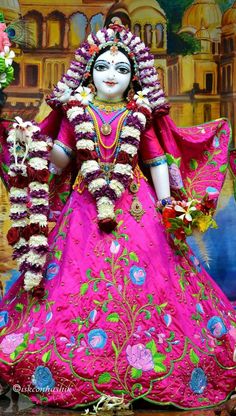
{"x": 24, "y": 130}
{"x": 84, "y": 95}
{"x": 186, "y": 211}
{"x": 141, "y": 97}
{"x": 8, "y": 55}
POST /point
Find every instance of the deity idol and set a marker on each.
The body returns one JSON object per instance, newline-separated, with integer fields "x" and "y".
{"x": 113, "y": 302}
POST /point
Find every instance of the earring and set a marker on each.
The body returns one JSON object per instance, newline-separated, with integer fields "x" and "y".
{"x": 92, "y": 87}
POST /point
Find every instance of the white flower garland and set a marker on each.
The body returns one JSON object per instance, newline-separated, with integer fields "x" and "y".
{"x": 29, "y": 200}
{"x": 77, "y": 115}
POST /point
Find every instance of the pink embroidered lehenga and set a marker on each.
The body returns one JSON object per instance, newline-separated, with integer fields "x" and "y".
{"x": 123, "y": 313}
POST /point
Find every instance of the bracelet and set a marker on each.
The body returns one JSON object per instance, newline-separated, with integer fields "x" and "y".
{"x": 166, "y": 201}
{"x": 65, "y": 148}
{"x": 163, "y": 202}
{"x": 54, "y": 169}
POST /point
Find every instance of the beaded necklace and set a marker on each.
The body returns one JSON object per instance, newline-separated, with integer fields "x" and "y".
{"x": 98, "y": 139}
{"x": 106, "y": 128}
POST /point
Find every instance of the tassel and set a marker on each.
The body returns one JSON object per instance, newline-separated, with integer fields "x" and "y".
{"x": 204, "y": 251}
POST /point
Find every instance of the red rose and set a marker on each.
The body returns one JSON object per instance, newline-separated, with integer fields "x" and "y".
{"x": 180, "y": 234}
{"x": 165, "y": 109}
{"x": 85, "y": 154}
{"x": 146, "y": 112}
{"x": 38, "y": 175}
{"x": 131, "y": 105}
{"x": 18, "y": 181}
{"x": 107, "y": 225}
{"x": 38, "y": 292}
{"x": 134, "y": 161}
{"x": 33, "y": 229}
{"x": 209, "y": 203}
{"x": 167, "y": 214}
{"x": 13, "y": 235}
{"x": 71, "y": 104}
{"x": 123, "y": 157}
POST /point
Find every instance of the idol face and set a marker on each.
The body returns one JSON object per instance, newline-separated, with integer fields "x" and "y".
{"x": 111, "y": 75}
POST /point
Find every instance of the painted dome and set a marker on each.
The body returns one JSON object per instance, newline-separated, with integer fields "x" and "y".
{"x": 151, "y": 4}
{"x": 229, "y": 17}
{"x": 202, "y": 34}
{"x": 10, "y": 9}
{"x": 138, "y": 6}
{"x": 206, "y": 11}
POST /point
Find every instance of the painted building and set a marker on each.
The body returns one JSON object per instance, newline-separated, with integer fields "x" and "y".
{"x": 202, "y": 86}
{"x": 193, "y": 80}
{"x": 228, "y": 66}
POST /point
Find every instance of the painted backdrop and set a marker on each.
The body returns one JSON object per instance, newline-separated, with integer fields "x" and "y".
{"x": 194, "y": 45}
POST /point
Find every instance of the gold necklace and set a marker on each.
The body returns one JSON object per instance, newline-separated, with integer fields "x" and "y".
{"x": 108, "y": 106}
{"x": 98, "y": 135}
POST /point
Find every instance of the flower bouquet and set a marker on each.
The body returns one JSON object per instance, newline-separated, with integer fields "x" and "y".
{"x": 183, "y": 218}
{"x": 6, "y": 57}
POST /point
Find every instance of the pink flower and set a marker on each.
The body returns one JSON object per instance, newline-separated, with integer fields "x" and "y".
{"x": 176, "y": 181}
{"x": 140, "y": 357}
{"x": 4, "y": 40}
{"x": 11, "y": 342}
{"x": 115, "y": 247}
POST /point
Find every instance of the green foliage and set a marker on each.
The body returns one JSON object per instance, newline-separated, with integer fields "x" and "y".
{"x": 104, "y": 378}
{"x": 183, "y": 44}
{"x": 46, "y": 357}
{"x": 136, "y": 373}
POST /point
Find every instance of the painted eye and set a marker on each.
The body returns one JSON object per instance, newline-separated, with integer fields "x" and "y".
{"x": 123, "y": 69}
{"x": 100, "y": 67}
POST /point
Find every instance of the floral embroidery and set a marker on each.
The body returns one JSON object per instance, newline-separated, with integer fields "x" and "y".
{"x": 195, "y": 262}
{"x": 217, "y": 327}
{"x": 115, "y": 247}
{"x": 200, "y": 309}
{"x": 51, "y": 271}
{"x": 176, "y": 181}
{"x": 140, "y": 357}
{"x": 212, "y": 192}
{"x": 137, "y": 275}
{"x": 92, "y": 315}
{"x": 198, "y": 381}
{"x": 3, "y": 318}
{"x": 97, "y": 338}
{"x": 11, "y": 342}
{"x": 42, "y": 379}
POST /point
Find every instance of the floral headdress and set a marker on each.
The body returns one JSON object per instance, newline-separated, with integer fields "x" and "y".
{"x": 116, "y": 35}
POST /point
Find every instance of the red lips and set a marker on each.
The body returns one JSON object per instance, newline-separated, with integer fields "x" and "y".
{"x": 110, "y": 83}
